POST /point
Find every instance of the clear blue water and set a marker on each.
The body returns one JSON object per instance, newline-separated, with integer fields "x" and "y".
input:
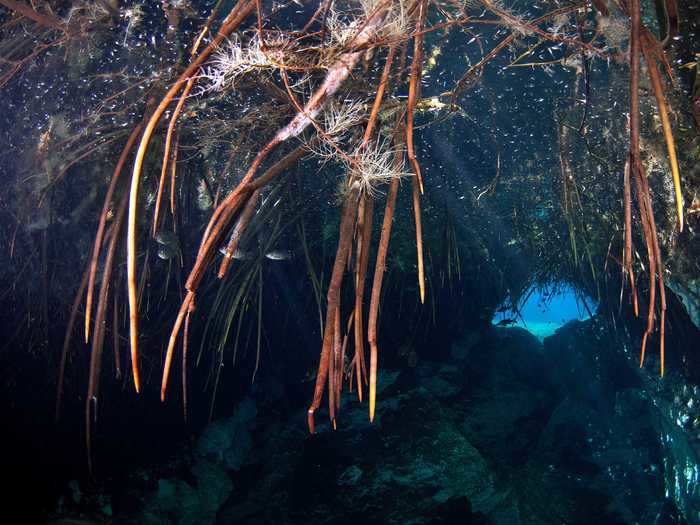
{"x": 544, "y": 311}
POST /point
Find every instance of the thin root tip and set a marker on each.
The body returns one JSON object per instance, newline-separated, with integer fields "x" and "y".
{"x": 310, "y": 421}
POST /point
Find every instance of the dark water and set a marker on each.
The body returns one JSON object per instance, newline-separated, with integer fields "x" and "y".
{"x": 512, "y": 394}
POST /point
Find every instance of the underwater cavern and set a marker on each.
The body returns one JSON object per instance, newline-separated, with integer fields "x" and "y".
{"x": 358, "y": 261}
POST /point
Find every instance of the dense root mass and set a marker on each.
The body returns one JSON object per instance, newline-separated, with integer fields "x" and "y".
{"x": 247, "y": 96}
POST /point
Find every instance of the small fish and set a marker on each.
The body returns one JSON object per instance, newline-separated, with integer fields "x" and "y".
{"x": 166, "y": 252}
{"x": 40, "y": 224}
{"x": 274, "y": 255}
{"x": 279, "y": 255}
{"x": 204, "y": 199}
{"x": 238, "y": 254}
{"x": 430, "y": 104}
{"x": 166, "y": 237}
{"x": 168, "y": 245}
{"x": 506, "y": 322}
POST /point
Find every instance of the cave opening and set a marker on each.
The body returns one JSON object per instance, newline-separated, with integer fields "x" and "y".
{"x": 544, "y": 310}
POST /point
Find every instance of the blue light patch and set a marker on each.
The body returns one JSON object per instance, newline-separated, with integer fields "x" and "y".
{"x": 545, "y": 311}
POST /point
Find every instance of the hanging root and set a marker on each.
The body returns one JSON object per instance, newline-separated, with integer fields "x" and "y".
{"x": 333, "y": 297}
{"x": 627, "y": 269}
{"x": 379, "y": 269}
{"x": 365, "y": 222}
{"x": 640, "y": 41}
{"x": 213, "y": 234}
{"x": 647, "y": 45}
{"x": 184, "y": 310}
{"x": 414, "y": 93}
{"x": 98, "y": 337}
{"x": 223, "y": 215}
{"x": 644, "y": 217}
{"x": 333, "y": 364}
{"x": 97, "y": 247}
{"x": 653, "y": 241}
{"x": 185, "y": 340}
{"x": 419, "y": 237}
{"x": 44, "y": 20}
{"x": 238, "y": 13}
{"x": 238, "y": 231}
{"x": 341, "y": 369}
{"x": 115, "y": 331}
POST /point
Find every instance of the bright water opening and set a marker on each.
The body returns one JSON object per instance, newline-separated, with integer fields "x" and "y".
{"x": 545, "y": 310}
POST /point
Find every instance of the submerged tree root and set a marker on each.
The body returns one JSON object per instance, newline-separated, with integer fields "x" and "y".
{"x": 235, "y": 213}
{"x": 235, "y": 17}
{"x": 641, "y": 42}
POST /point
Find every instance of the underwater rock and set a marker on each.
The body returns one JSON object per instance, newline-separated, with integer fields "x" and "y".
{"x": 608, "y": 451}
{"x": 505, "y": 417}
{"x": 229, "y": 441}
{"x": 351, "y": 476}
{"x": 442, "y": 382}
{"x": 509, "y": 395}
{"x": 178, "y": 502}
{"x": 385, "y": 379}
{"x": 505, "y": 358}
{"x": 689, "y": 294}
{"x": 75, "y": 492}
{"x": 433, "y": 457}
{"x": 457, "y": 467}
{"x": 524, "y": 434}
{"x": 680, "y": 459}
{"x": 75, "y": 521}
{"x": 459, "y": 350}
{"x": 416, "y": 466}
{"x": 224, "y": 446}
{"x": 214, "y": 485}
{"x": 174, "y": 497}
{"x": 588, "y": 365}
{"x": 567, "y": 424}
{"x": 604, "y": 428}
{"x": 458, "y": 511}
